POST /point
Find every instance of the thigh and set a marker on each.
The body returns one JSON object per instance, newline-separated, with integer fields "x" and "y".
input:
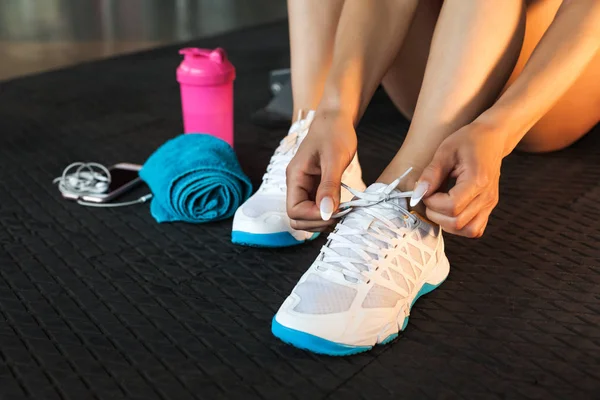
{"x": 578, "y": 110}
{"x": 405, "y": 76}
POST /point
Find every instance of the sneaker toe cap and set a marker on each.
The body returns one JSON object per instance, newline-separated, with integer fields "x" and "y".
{"x": 270, "y": 222}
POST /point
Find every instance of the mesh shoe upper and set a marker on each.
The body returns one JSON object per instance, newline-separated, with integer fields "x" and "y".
{"x": 323, "y": 296}
{"x": 379, "y": 240}
{"x": 256, "y": 206}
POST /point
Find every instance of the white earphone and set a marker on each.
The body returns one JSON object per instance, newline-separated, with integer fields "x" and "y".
{"x": 80, "y": 179}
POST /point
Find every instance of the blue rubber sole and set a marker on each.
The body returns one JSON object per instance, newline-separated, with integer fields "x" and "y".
{"x": 280, "y": 239}
{"x": 315, "y": 344}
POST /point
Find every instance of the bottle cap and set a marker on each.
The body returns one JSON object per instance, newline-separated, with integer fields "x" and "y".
{"x": 205, "y": 67}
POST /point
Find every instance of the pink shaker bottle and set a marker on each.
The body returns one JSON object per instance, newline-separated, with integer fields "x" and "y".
{"x": 206, "y": 82}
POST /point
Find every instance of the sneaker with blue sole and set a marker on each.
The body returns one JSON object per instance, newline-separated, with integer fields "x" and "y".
{"x": 262, "y": 220}
{"x": 358, "y": 293}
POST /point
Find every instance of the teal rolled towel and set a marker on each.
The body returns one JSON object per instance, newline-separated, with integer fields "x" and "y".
{"x": 195, "y": 178}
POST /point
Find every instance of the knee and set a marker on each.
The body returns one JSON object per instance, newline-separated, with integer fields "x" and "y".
{"x": 539, "y": 148}
{"x": 545, "y": 140}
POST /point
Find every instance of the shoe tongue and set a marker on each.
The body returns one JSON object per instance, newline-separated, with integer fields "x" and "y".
{"x": 295, "y": 127}
{"x": 302, "y": 124}
{"x": 286, "y": 149}
{"x": 376, "y": 187}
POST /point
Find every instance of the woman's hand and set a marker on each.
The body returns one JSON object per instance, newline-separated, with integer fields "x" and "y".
{"x": 473, "y": 156}
{"x": 314, "y": 175}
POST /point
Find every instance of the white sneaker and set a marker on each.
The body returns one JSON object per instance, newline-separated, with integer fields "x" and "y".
{"x": 262, "y": 220}
{"x": 359, "y": 291}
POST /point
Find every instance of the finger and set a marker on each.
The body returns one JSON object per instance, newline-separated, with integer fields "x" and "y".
{"x": 457, "y": 222}
{"x": 456, "y": 200}
{"x": 305, "y": 211}
{"x": 474, "y": 228}
{"x": 468, "y": 186}
{"x": 312, "y": 226}
{"x": 300, "y": 204}
{"x": 433, "y": 175}
{"x": 328, "y": 193}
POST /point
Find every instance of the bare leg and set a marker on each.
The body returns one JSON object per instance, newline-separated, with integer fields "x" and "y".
{"x": 404, "y": 78}
{"x": 578, "y": 110}
{"x": 473, "y": 51}
{"x": 381, "y": 33}
{"x": 570, "y": 119}
{"x": 313, "y": 24}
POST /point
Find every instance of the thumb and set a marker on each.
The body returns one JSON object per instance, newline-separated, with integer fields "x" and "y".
{"x": 328, "y": 193}
{"x": 432, "y": 177}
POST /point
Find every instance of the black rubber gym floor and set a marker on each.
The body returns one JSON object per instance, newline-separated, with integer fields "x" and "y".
{"x": 107, "y": 304}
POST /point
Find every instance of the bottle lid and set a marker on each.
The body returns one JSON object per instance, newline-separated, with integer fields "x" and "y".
{"x": 205, "y": 67}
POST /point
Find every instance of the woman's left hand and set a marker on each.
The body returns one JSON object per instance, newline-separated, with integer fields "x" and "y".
{"x": 473, "y": 155}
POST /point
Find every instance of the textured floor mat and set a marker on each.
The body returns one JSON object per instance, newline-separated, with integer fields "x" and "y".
{"x": 107, "y": 304}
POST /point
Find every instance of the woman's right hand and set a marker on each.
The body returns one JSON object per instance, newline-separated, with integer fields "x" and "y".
{"x": 315, "y": 173}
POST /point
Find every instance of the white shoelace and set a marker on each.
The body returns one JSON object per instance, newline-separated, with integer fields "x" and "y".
{"x": 373, "y": 228}
{"x": 274, "y": 177}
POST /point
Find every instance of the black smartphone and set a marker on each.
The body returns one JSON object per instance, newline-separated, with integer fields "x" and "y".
{"x": 123, "y": 177}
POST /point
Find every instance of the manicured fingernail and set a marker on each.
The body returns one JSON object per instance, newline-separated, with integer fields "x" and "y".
{"x": 420, "y": 190}
{"x": 326, "y": 208}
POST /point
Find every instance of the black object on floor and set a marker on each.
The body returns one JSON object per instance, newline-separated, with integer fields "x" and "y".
{"x": 278, "y": 112}
{"x": 107, "y": 304}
